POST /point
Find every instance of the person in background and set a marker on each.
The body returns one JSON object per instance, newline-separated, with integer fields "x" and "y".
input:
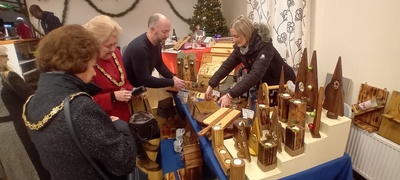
{"x": 23, "y": 30}
{"x": 111, "y": 77}
{"x": 66, "y": 59}
{"x": 19, "y": 158}
{"x": 143, "y": 54}
{"x": 254, "y": 49}
{"x": 47, "y": 19}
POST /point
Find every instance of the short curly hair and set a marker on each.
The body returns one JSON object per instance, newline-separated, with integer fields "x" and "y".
{"x": 68, "y": 49}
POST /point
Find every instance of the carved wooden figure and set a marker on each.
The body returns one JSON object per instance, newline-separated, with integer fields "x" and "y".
{"x": 266, "y": 159}
{"x": 334, "y": 93}
{"x": 294, "y": 140}
{"x": 275, "y": 130}
{"x": 301, "y": 76}
{"x": 315, "y": 126}
{"x": 255, "y": 133}
{"x": 242, "y": 144}
{"x": 311, "y": 91}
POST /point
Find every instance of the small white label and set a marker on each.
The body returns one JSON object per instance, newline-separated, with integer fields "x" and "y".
{"x": 247, "y": 113}
{"x": 216, "y": 93}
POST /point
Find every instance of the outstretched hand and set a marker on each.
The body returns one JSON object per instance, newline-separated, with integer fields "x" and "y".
{"x": 179, "y": 83}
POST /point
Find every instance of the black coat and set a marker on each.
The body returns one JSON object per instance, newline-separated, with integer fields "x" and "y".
{"x": 13, "y": 94}
{"x": 108, "y": 143}
{"x": 263, "y": 62}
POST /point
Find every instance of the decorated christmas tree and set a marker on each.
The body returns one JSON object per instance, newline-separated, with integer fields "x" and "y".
{"x": 208, "y": 16}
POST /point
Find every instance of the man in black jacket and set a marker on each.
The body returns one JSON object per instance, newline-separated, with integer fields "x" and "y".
{"x": 47, "y": 19}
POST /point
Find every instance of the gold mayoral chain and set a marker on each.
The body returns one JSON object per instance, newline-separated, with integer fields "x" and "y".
{"x": 119, "y": 84}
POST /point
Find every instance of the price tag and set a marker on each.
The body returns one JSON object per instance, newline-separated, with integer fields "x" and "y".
{"x": 216, "y": 93}
{"x": 247, "y": 113}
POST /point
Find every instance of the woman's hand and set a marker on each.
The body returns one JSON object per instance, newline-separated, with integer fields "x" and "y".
{"x": 209, "y": 93}
{"x": 123, "y": 95}
{"x": 225, "y": 101}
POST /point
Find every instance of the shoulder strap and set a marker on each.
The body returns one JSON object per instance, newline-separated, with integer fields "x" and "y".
{"x": 76, "y": 140}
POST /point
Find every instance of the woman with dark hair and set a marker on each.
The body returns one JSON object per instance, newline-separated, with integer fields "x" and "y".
{"x": 19, "y": 158}
{"x": 66, "y": 58}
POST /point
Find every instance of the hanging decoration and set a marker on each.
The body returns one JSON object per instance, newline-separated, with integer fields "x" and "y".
{"x": 111, "y": 14}
{"x": 186, "y": 20}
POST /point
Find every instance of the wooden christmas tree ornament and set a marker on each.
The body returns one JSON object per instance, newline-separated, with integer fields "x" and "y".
{"x": 301, "y": 76}
{"x": 311, "y": 91}
{"x": 315, "y": 126}
{"x": 334, "y": 93}
{"x": 241, "y": 143}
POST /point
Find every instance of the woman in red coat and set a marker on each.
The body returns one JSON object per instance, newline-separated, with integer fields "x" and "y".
{"x": 111, "y": 77}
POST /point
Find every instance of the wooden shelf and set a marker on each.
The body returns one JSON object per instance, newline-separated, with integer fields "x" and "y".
{"x": 28, "y": 72}
{"x": 356, "y": 112}
{"x": 21, "y": 62}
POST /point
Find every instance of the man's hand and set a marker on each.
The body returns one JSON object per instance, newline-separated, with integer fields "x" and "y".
{"x": 123, "y": 95}
{"x": 209, "y": 93}
{"x": 179, "y": 83}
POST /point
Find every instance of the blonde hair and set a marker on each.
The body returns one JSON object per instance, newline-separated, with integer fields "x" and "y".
{"x": 243, "y": 26}
{"x": 4, "y": 70}
{"x": 103, "y": 27}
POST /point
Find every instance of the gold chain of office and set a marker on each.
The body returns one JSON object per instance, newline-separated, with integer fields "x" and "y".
{"x": 47, "y": 117}
{"x": 122, "y": 77}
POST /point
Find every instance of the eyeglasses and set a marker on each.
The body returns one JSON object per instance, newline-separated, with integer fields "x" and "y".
{"x": 4, "y": 56}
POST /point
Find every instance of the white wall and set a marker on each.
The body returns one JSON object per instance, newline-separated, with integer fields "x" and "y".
{"x": 365, "y": 34}
{"x": 231, "y": 9}
{"x": 134, "y": 23}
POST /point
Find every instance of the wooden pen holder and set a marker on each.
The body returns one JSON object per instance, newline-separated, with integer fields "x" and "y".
{"x": 294, "y": 140}
{"x": 237, "y": 171}
{"x": 297, "y": 112}
{"x": 267, "y": 151}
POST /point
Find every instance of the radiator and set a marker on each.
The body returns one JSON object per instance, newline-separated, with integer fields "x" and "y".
{"x": 373, "y": 156}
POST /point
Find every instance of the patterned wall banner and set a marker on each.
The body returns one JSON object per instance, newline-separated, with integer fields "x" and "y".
{"x": 287, "y": 20}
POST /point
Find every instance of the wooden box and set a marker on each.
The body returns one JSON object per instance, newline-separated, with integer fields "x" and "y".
{"x": 390, "y": 124}
{"x": 294, "y": 140}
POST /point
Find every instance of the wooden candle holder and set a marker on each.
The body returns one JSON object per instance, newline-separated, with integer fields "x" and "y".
{"x": 237, "y": 171}
{"x": 283, "y": 105}
{"x": 294, "y": 140}
{"x": 297, "y": 112}
{"x": 267, "y": 151}
{"x": 223, "y": 156}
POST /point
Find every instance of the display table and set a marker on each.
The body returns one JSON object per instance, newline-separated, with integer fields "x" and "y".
{"x": 169, "y": 58}
{"x": 329, "y": 147}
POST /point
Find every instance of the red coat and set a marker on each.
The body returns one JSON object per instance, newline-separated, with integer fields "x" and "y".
{"x": 24, "y": 31}
{"x": 117, "y": 108}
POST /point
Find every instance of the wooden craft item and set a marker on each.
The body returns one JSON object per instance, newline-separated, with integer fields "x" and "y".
{"x": 294, "y": 140}
{"x": 275, "y": 133}
{"x": 242, "y": 144}
{"x": 191, "y": 58}
{"x": 225, "y": 48}
{"x": 301, "y": 77}
{"x": 281, "y": 89}
{"x": 191, "y": 105}
{"x": 314, "y": 128}
{"x": 194, "y": 86}
{"x": 193, "y": 161}
{"x": 217, "y": 136}
{"x": 222, "y": 117}
{"x": 267, "y": 151}
{"x": 390, "y": 125}
{"x": 334, "y": 93}
{"x": 181, "y": 42}
{"x": 236, "y": 128}
{"x": 297, "y": 112}
{"x": 262, "y": 94}
{"x": 237, "y": 171}
{"x": 179, "y": 64}
{"x": 255, "y": 135}
{"x": 224, "y": 158}
{"x": 311, "y": 91}
{"x": 283, "y": 104}
{"x": 202, "y": 80}
{"x": 263, "y": 116}
{"x": 371, "y": 119}
{"x": 207, "y": 107}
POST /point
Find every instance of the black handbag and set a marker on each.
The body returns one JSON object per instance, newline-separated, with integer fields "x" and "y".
{"x": 145, "y": 125}
{"x": 137, "y": 174}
